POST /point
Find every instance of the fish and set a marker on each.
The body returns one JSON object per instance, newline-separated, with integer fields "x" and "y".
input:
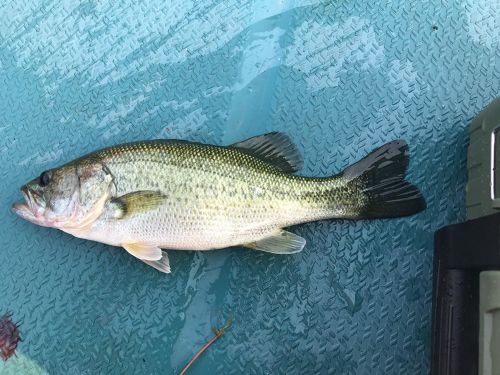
{"x": 151, "y": 196}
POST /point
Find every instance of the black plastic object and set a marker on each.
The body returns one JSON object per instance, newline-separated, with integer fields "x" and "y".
{"x": 462, "y": 251}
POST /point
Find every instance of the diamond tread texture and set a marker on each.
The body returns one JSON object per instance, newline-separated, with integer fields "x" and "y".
{"x": 341, "y": 78}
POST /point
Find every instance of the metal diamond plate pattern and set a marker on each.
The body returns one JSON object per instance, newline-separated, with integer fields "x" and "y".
{"x": 340, "y": 77}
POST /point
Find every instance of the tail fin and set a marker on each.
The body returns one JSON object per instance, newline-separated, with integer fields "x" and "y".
{"x": 380, "y": 176}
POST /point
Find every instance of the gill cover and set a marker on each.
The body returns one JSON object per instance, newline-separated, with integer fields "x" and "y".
{"x": 95, "y": 187}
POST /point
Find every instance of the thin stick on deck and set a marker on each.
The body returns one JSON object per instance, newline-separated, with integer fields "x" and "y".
{"x": 218, "y": 334}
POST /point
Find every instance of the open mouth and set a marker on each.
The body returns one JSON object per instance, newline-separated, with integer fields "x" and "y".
{"x": 31, "y": 208}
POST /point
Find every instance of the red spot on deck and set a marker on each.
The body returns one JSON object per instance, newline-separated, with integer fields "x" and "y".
{"x": 9, "y": 336}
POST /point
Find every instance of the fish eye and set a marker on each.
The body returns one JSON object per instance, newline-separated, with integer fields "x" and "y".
{"x": 45, "y": 178}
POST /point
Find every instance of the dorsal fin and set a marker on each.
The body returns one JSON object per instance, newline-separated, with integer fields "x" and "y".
{"x": 275, "y": 148}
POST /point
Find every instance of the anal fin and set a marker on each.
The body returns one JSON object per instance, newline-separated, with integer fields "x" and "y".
{"x": 282, "y": 242}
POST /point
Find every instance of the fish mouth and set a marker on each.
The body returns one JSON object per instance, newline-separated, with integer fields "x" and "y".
{"x": 32, "y": 207}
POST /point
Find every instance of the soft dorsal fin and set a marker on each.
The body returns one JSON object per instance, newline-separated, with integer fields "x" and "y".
{"x": 275, "y": 148}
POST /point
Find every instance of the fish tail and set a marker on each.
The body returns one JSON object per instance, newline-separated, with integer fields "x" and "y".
{"x": 379, "y": 180}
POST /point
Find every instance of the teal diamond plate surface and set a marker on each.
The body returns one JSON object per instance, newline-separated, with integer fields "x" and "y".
{"x": 339, "y": 77}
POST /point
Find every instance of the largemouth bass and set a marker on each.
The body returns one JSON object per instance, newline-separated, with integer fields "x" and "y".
{"x": 170, "y": 194}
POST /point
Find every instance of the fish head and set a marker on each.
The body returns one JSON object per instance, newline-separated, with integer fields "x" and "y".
{"x": 69, "y": 196}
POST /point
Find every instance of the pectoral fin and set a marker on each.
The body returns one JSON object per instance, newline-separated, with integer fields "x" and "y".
{"x": 136, "y": 202}
{"x": 143, "y": 251}
{"x": 162, "y": 265}
{"x": 282, "y": 242}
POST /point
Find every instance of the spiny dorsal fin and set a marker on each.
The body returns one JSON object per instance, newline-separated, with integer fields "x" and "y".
{"x": 275, "y": 148}
{"x": 138, "y": 201}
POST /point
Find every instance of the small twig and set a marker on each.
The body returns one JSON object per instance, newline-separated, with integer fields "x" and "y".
{"x": 218, "y": 334}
